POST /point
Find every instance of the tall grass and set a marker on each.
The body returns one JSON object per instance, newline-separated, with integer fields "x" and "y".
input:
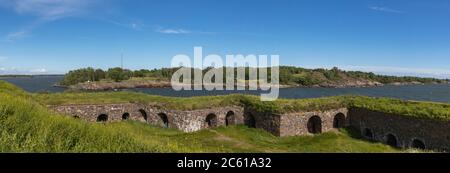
{"x": 28, "y": 127}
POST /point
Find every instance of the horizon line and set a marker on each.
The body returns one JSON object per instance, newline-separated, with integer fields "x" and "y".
{"x": 343, "y": 68}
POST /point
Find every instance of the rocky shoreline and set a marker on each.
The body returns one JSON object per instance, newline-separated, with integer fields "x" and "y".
{"x": 105, "y": 86}
{"x": 361, "y": 84}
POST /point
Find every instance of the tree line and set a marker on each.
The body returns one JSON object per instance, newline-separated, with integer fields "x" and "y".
{"x": 116, "y": 74}
{"x": 288, "y": 75}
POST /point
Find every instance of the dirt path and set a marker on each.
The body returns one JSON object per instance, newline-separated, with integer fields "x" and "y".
{"x": 237, "y": 143}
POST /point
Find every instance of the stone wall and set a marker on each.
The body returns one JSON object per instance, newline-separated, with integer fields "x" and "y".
{"x": 296, "y": 124}
{"x": 396, "y": 130}
{"x": 263, "y": 120}
{"x": 187, "y": 121}
{"x": 114, "y": 112}
{"x": 191, "y": 121}
{"x": 378, "y": 126}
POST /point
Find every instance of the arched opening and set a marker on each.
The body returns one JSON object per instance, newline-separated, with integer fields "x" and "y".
{"x": 164, "y": 119}
{"x": 211, "y": 120}
{"x": 125, "y": 116}
{"x": 315, "y": 125}
{"x": 143, "y": 113}
{"x": 368, "y": 133}
{"x": 249, "y": 120}
{"x": 391, "y": 140}
{"x": 339, "y": 121}
{"x": 230, "y": 118}
{"x": 418, "y": 144}
{"x": 102, "y": 118}
{"x": 76, "y": 117}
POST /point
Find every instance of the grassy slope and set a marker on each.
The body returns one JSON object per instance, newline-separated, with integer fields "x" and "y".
{"x": 427, "y": 110}
{"x": 27, "y": 126}
{"x": 134, "y": 97}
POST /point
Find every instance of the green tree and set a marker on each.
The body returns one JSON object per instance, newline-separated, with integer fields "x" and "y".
{"x": 118, "y": 74}
{"x": 99, "y": 75}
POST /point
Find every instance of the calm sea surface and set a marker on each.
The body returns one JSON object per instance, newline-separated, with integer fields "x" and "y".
{"x": 36, "y": 83}
{"x": 437, "y": 93}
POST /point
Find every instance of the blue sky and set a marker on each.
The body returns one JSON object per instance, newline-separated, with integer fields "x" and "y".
{"x": 399, "y": 37}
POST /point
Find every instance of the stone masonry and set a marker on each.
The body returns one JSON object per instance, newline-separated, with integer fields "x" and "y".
{"x": 404, "y": 131}
{"x": 295, "y": 124}
{"x": 395, "y": 130}
{"x": 187, "y": 121}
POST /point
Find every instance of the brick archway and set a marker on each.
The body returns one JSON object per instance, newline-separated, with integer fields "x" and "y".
{"x": 102, "y": 118}
{"x": 165, "y": 119}
{"x": 418, "y": 144}
{"x": 368, "y": 133}
{"x": 125, "y": 116}
{"x": 143, "y": 114}
{"x": 339, "y": 121}
{"x": 249, "y": 120}
{"x": 391, "y": 140}
{"x": 314, "y": 125}
{"x": 211, "y": 120}
{"x": 230, "y": 118}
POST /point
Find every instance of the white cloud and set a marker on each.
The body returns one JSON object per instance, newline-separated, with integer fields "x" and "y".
{"x": 39, "y": 70}
{"x": 50, "y": 9}
{"x": 20, "y": 71}
{"x": 385, "y": 9}
{"x": 16, "y": 35}
{"x": 173, "y": 31}
{"x": 135, "y": 25}
{"x": 46, "y": 11}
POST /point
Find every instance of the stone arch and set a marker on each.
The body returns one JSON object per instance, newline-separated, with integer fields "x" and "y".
{"x": 230, "y": 118}
{"x": 249, "y": 120}
{"x": 339, "y": 121}
{"x": 164, "y": 119}
{"x": 418, "y": 144}
{"x": 315, "y": 125}
{"x": 125, "y": 116}
{"x": 211, "y": 120}
{"x": 102, "y": 118}
{"x": 143, "y": 113}
{"x": 368, "y": 133}
{"x": 391, "y": 140}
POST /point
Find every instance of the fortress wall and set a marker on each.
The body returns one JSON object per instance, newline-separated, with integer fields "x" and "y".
{"x": 396, "y": 130}
{"x": 187, "y": 121}
{"x": 434, "y": 134}
{"x": 91, "y": 112}
{"x": 296, "y": 124}
{"x": 263, "y": 120}
{"x": 191, "y": 121}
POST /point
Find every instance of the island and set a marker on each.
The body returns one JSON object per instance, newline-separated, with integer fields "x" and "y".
{"x": 118, "y": 78}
